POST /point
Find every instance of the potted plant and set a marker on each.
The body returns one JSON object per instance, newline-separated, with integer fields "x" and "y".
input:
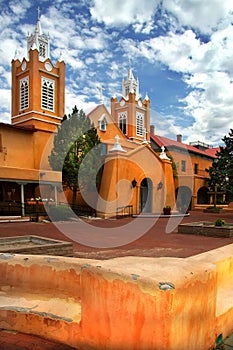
{"x": 167, "y": 210}
{"x": 219, "y": 222}
{"x": 31, "y": 201}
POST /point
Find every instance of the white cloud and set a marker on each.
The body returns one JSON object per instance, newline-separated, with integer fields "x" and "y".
{"x": 203, "y": 15}
{"x": 121, "y": 12}
{"x": 211, "y": 106}
{"x": 206, "y": 68}
{"x": 144, "y": 28}
{"x": 79, "y": 100}
{"x": 19, "y": 8}
{"x": 96, "y": 49}
{"x": 5, "y": 103}
{"x": 164, "y": 125}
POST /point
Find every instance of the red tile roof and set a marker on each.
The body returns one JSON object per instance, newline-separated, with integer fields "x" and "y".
{"x": 164, "y": 141}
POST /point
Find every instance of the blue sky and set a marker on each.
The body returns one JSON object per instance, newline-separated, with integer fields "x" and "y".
{"x": 181, "y": 51}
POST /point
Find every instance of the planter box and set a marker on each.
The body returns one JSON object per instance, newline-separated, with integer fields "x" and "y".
{"x": 213, "y": 210}
{"x": 206, "y": 229}
{"x": 35, "y": 245}
{"x": 166, "y": 211}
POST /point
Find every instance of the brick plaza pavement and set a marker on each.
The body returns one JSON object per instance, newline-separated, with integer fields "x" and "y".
{"x": 19, "y": 341}
{"x": 155, "y": 242}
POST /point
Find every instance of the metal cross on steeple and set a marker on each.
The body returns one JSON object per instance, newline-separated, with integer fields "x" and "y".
{"x": 38, "y": 11}
{"x": 100, "y": 88}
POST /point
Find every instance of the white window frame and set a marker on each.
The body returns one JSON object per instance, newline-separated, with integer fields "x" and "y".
{"x": 139, "y": 123}
{"x": 103, "y": 121}
{"x": 24, "y": 93}
{"x": 47, "y": 94}
{"x": 183, "y": 166}
{"x": 122, "y": 122}
{"x": 42, "y": 50}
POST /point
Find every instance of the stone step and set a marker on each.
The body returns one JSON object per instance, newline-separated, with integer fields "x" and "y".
{"x": 42, "y": 315}
{"x": 42, "y": 305}
{"x": 160, "y": 215}
{"x": 13, "y": 219}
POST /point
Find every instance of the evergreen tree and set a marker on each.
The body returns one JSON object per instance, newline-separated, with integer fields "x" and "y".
{"x": 76, "y": 139}
{"x": 221, "y": 171}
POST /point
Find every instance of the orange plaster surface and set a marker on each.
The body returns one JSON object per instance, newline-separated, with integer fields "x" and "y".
{"x": 123, "y": 303}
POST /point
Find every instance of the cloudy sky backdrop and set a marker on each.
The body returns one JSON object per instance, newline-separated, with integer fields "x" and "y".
{"x": 181, "y": 51}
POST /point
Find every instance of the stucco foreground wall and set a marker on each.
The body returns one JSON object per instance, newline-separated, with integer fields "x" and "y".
{"x": 123, "y": 303}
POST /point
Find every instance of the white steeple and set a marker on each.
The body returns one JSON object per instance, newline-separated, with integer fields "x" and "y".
{"x": 146, "y": 97}
{"x": 39, "y": 41}
{"x": 130, "y": 85}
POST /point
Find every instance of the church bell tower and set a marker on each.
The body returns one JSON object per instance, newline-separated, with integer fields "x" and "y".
{"x": 131, "y": 113}
{"x": 38, "y": 87}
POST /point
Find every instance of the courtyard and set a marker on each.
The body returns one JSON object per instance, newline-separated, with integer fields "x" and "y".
{"x": 153, "y": 243}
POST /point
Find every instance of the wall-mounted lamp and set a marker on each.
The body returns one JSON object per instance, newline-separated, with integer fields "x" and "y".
{"x": 160, "y": 185}
{"x": 134, "y": 183}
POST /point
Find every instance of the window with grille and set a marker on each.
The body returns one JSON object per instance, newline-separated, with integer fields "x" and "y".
{"x": 139, "y": 123}
{"x": 183, "y": 165}
{"x": 122, "y": 122}
{"x": 47, "y": 96}
{"x": 42, "y": 50}
{"x": 24, "y": 93}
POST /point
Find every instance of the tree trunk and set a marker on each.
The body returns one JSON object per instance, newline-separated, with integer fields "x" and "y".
{"x": 74, "y": 196}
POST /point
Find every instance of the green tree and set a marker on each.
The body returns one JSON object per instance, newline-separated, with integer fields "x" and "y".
{"x": 221, "y": 171}
{"x": 76, "y": 138}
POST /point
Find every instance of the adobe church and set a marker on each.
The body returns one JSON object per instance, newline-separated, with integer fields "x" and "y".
{"x": 138, "y": 171}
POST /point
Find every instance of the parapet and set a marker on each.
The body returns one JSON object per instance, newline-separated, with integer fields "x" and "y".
{"x": 123, "y": 303}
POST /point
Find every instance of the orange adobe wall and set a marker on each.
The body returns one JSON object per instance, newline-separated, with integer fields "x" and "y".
{"x": 23, "y": 160}
{"x": 121, "y": 168}
{"x": 188, "y": 177}
{"x": 129, "y": 303}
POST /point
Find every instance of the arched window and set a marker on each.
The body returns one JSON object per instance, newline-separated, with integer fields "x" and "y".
{"x": 139, "y": 123}
{"x": 47, "y": 94}
{"x": 103, "y": 121}
{"x": 24, "y": 93}
{"x": 42, "y": 50}
{"x": 122, "y": 122}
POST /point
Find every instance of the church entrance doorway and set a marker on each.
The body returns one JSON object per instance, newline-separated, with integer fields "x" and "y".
{"x": 146, "y": 196}
{"x": 202, "y": 195}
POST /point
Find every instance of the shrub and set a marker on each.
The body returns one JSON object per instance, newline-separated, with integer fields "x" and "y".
{"x": 219, "y": 222}
{"x": 60, "y": 213}
{"x": 213, "y": 210}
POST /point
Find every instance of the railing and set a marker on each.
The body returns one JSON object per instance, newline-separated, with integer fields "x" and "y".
{"x": 201, "y": 144}
{"x": 83, "y": 210}
{"x": 36, "y": 209}
{"x": 10, "y": 208}
{"x": 201, "y": 172}
{"x": 125, "y": 211}
{"x": 40, "y": 209}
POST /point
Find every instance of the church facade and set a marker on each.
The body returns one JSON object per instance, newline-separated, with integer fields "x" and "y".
{"x": 138, "y": 166}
